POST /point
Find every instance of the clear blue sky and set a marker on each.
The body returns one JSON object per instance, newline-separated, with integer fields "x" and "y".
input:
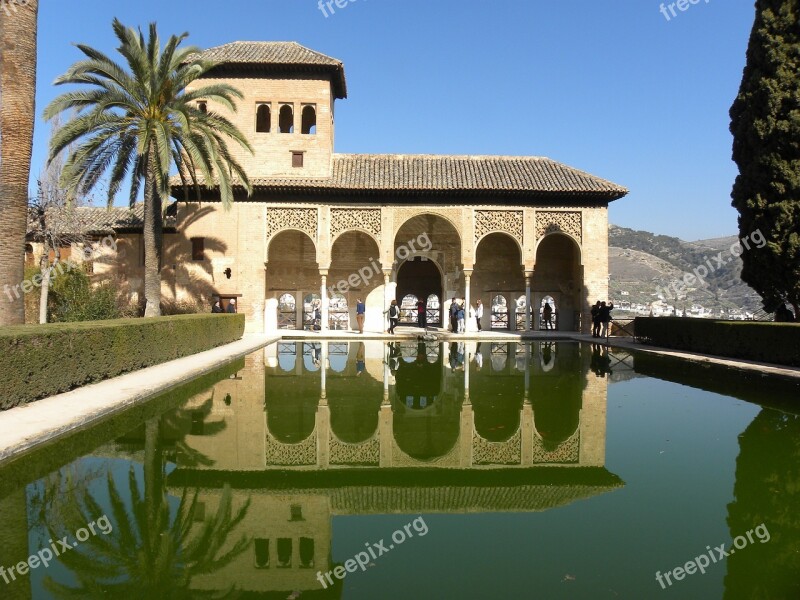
{"x": 609, "y": 87}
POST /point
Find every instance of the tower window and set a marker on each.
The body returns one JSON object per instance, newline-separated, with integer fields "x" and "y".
{"x": 263, "y": 118}
{"x": 261, "y": 551}
{"x": 198, "y": 248}
{"x": 309, "y": 125}
{"x": 202, "y": 106}
{"x": 286, "y": 119}
{"x": 297, "y": 159}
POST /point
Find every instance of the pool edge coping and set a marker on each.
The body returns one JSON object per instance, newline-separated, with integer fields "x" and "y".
{"x": 25, "y": 428}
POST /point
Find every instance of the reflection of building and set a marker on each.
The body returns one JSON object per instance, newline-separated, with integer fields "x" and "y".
{"x": 317, "y": 429}
{"x": 518, "y": 228}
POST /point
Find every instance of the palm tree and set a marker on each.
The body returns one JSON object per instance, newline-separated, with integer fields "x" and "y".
{"x": 141, "y": 122}
{"x": 17, "y": 95}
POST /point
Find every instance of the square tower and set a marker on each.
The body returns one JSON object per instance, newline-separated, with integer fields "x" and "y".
{"x": 287, "y": 112}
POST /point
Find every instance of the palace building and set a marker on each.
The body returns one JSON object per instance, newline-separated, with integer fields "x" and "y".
{"x": 512, "y": 231}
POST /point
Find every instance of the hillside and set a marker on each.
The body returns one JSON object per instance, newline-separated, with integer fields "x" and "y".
{"x": 644, "y": 267}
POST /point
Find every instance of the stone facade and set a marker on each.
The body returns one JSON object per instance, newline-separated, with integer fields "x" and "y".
{"x": 513, "y": 232}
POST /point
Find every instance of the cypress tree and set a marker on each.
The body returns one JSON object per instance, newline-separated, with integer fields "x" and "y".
{"x": 765, "y": 123}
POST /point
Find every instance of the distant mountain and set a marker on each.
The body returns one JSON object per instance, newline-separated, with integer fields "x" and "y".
{"x": 644, "y": 268}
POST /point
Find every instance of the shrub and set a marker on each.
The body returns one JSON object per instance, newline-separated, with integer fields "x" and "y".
{"x": 777, "y": 343}
{"x": 73, "y": 298}
{"x": 42, "y": 360}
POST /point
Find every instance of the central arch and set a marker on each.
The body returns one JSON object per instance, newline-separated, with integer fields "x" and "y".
{"x": 422, "y": 278}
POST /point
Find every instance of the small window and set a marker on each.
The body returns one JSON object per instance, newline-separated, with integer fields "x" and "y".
{"x": 263, "y": 119}
{"x": 297, "y": 159}
{"x": 198, "y": 248}
{"x": 306, "y": 553}
{"x": 286, "y": 119}
{"x": 261, "y": 551}
{"x": 284, "y": 553}
{"x": 296, "y": 512}
{"x": 202, "y": 106}
{"x": 309, "y": 125}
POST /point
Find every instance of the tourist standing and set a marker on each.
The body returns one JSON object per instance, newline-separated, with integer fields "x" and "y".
{"x": 461, "y": 318}
{"x": 421, "y": 320}
{"x": 547, "y": 314}
{"x": 596, "y": 320}
{"x": 361, "y": 311}
{"x": 232, "y": 306}
{"x": 394, "y": 316}
{"x": 453, "y": 315}
{"x": 605, "y": 317}
{"x": 478, "y": 314}
{"x": 216, "y": 308}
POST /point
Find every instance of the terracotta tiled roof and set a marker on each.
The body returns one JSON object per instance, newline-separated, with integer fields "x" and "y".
{"x": 90, "y": 220}
{"x": 278, "y": 54}
{"x": 521, "y": 176}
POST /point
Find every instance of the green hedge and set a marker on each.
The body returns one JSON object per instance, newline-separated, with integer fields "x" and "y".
{"x": 777, "y": 343}
{"x": 37, "y": 361}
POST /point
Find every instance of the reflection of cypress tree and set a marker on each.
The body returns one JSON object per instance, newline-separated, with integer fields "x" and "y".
{"x": 767, "y": 490}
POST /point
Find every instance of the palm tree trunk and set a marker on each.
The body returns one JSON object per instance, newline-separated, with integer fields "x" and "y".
{"x": 152, "y": 234}
{"x": 17, "y": 95}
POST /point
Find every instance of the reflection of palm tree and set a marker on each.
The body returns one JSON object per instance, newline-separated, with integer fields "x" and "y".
{"x": 152, "y": 552}
{"x": 179, "y": 423}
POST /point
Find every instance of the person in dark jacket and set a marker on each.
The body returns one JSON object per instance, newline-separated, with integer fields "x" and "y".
{"x": 453, "y": 315}
{"x": 394, "y": 316}
{"x": 596, "y": 320}
{"x": 232, "y": 306}
{"x": 421, "y": 321}
{"x": 216, "y": 308}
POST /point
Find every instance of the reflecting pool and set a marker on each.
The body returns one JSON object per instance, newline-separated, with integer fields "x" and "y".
{"x": 369, "y": 470}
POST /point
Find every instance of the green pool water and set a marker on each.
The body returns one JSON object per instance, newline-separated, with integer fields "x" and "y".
{"x": 421, "y": 470}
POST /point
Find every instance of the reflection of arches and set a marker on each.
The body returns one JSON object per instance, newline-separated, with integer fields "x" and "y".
{"x": 291, "y": 416}
{"x": 520, "y": 310}
{"x": 355, "y": 403}
{"x": 311, "y": 310}
{"x": 558, "y": 393}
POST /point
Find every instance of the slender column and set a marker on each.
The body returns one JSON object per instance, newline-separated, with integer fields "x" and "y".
{"x": 467, "y": 320}
{"x": 528, "y": 307}
{"x": 323, "y": 295}
{"x": 386, "y": 299}
{"x": 323, "y": 367}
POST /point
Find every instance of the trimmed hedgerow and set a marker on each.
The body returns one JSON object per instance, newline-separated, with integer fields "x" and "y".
{"x": 777, "y": 343}
{"x": 37, "y": 361}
